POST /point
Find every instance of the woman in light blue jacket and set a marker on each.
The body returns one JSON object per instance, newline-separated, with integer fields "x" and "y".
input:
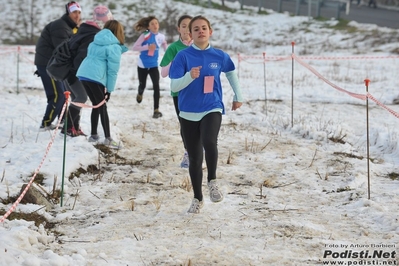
{"x": 98, "y": 73}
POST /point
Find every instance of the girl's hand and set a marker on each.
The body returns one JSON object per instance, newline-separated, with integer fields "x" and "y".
{"x": 152, "y": 47}
{"x": 195, "y": 72}
{"x": 236, "y": 105}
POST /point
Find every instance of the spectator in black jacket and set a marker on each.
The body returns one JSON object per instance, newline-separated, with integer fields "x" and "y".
{"x": 78, "y": 47}
{"x": 51, "y": 36}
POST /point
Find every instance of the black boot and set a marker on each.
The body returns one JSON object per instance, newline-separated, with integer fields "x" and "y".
{"x": 76, "y": 125}
{"x": 73, "y": 115}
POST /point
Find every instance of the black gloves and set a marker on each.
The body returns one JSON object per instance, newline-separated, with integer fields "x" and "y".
{"x": 107, "y": 96}
{"x": 36, "y": 73}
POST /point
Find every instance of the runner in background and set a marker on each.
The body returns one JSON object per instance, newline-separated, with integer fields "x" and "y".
{"x": 183, "y": 42}
{"x": 148, "y": 45}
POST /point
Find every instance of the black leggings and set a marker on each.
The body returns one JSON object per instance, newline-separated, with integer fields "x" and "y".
{"x": 154, "y": 75}
{"x": 200, "y": 135}
{"x": 176, "y": 104}
{"x": 96, "y": 93}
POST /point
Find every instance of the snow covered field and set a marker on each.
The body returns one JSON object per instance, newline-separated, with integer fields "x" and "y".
{"x": 296, "y": 191}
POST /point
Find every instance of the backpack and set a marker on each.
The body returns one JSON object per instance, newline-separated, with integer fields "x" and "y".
{"x": 60, "y": 62}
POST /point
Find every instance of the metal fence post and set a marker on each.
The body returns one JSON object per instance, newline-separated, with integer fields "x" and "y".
{"x": 318, "y": 9}
{"x": 18, "y": 61}
{"x": 297, "y": 7}
{"x": 280, "y": 6}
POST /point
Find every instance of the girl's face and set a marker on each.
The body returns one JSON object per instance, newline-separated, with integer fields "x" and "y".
{"x": 184, "y": 30}
{"x": 154, "y": 26}
{"x": 200, "y": 32}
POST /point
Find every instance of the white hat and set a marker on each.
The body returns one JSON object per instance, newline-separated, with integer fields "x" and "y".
{"x": 74, "y": 6}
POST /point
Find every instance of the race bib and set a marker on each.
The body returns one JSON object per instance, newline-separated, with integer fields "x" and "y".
{"x": 208, "y": 84}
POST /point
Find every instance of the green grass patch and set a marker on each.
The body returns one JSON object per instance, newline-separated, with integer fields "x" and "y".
{"x": 342, "y": 25}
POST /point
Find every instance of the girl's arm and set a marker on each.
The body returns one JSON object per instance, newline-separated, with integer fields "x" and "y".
{"x": 113, "y": 64}
{"x": 137, "y": 46}
{"x": 180, "y": 83}
{"x": 235, "y": 84}
{"x": 165, "y": 70}
{"x": 164, "y": 45}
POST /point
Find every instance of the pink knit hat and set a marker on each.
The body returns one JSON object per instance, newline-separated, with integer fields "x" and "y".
{"x": 102, "y": 14}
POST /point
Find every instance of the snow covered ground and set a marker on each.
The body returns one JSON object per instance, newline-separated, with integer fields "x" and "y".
{"x": 296, "y": 191}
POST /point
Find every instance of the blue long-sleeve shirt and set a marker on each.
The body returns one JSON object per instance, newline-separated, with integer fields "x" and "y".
{"x": 142, "y": 44}
{"x": 193, "y": 102}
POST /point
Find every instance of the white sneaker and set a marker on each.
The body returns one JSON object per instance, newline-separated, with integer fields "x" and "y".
{"x": 109, "y": 142}
{"x": 214, "y": 192}
{"x": 61, "y": 123}
{"x": 94, "y": 138}
{"x": 196, "y": 205}
{"x": 50, "y": 127}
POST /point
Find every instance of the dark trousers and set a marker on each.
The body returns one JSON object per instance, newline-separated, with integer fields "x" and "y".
{"x": 55, "y": 96}
{"x": 78, "y": 95}
{"x": 154, "y": 75}
{"x": 201, "y": 135}
{"x": 96, "y": 93}
{"x": 176, "y": 104}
